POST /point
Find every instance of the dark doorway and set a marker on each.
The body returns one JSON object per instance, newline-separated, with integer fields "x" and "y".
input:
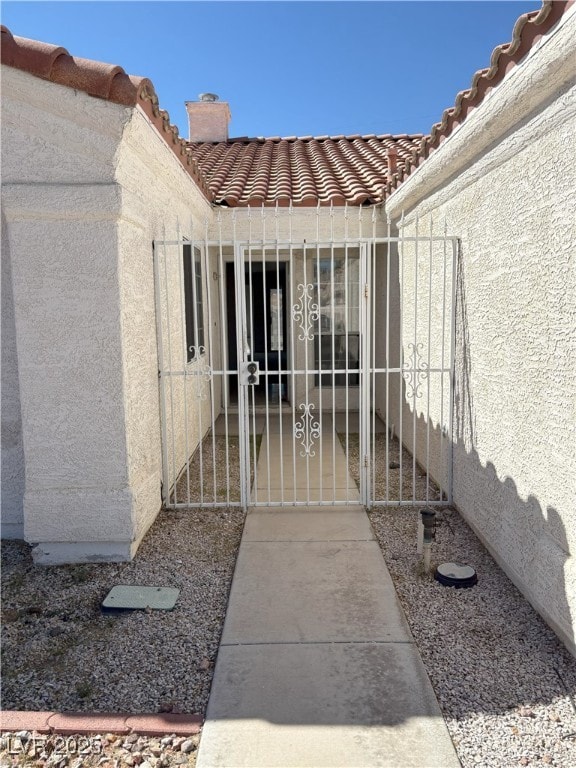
{"x": 266, "y": 299}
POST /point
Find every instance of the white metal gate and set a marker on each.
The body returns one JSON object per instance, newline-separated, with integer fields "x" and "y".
{"x": 305, "y": 370}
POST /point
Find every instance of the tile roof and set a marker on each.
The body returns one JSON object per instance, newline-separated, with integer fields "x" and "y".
{"x": 104, "y": 81}
{"x": 302, "y": 171}
{"x": 528, "y": 30}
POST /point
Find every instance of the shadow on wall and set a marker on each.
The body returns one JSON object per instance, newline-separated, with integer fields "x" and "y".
{"x": 464, "y": 420}
{"x": 12, "y": 444}
{"x": 528, "y": 541}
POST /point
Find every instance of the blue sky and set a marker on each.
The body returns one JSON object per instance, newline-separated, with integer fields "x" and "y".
{"x": 288, "y": 68}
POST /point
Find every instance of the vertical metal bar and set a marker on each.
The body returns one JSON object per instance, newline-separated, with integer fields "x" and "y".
{"x": 195, "y": 363}
{"x": 162, "y": 374}
{"x": 347, "y": 353}
{"x": 279, "y": 351}
{"x": 415, "y": 372}
{"x": 365, "y": 377}
{"x": 387, "y": 432}
{"x": 210, "y": 351}
{"x": 239, "y": 288}
{"x": 224, "y": 358}
{"x": 184, "y": 360}
{"x": 333, "y": 329}
{"x": 363, "y": 362}
{"x": 307, "y": 408}
{"x": 293, "y": 357}
{"x": 318, "y": 287}
{"x": 442, "y": 375}
{"x": 347, "y": 330}
{"x": 251, "y": 390}
{"x": 170, "y": 368}
{"x": 266, "y": 352}
{"x": 362, "y": 366}
{"x": 401, "y": 360}
{"x": 455, "y": 257}
{"x": 372, "y": 394}
{"x": 334, "y": 435}
{"x": 430, "y": 267}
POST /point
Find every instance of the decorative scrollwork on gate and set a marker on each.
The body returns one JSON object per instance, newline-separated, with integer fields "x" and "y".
{"x": 415, "y": 371}
{"x": 307, "y": 429}
{"x": 201, "y": 372}
{"x": 305, "y": 312}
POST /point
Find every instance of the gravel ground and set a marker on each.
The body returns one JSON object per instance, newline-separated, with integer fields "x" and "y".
{"x": 213, "y": 474}
{"x": 387, "y": 485}
{"x": 505, "y": 683}
{"x": 107, "y": 750}
{"x": 61, "y": 653}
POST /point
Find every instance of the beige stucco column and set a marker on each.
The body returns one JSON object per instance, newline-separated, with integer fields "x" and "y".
{"x": 63, "y": 248}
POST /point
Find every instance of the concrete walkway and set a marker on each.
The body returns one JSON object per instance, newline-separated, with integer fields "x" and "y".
{"x": 317, "y": 666}
{"x": 284, "y": 474}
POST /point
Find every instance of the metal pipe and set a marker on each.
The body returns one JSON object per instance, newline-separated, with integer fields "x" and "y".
{"x": 426, "y": 552}
{"x": 428, "y": 517}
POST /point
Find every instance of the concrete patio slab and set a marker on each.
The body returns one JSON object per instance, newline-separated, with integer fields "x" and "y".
{"x": 313, "y": 478}
{"x": 351, "y": 423}
{"x": 323, "y": 706}
{"x": 274, "y": 459}
{"x": 274, "y": 455}
{"x": 312, "y": 592}
{"x": 314, "y": 496}
{"x": 308, "y": 524}
{"x": 317, "y": 667}
{"x": 304, "y": 477}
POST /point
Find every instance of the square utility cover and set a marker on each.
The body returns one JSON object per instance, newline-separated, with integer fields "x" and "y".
{"x": 124, "y": 598}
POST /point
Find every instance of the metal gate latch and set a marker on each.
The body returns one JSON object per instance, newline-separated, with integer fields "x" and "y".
{"x": 250, "y": 373}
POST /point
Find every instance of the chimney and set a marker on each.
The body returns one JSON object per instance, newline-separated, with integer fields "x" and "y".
{"x": 208, "y": 118}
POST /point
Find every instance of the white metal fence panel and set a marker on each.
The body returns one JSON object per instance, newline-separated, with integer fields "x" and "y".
{"x": 304, "y": 366}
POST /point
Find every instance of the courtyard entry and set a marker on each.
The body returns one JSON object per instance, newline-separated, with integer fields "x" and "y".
{"x": 305, "y": 371}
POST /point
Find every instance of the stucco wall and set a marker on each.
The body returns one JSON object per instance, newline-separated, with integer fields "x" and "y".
{"x": 12, "y": 523}
{"x": 60, "y": 204}
{"x": 505, "y": 183}
{"x": 159, "y": 201}
{"x": 43, "y": 147}
{"x": 87, "y": 186}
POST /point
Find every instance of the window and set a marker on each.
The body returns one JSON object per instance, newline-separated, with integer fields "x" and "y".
{"x": 193, "y": 303}
{"x": 337, "y": 340}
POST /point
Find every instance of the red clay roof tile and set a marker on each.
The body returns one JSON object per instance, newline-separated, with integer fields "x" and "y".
{"x": 104, "y": 81}
{"x": 528, "y": 29}
{"x": 305, "y": 170}
{"x": 321, "y": 170}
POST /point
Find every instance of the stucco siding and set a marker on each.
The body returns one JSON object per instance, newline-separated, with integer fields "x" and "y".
{"x": 159, "y": 201}
{"x": 61, "y": 301}
{"x": 69, "y": 358}
{"x": 87, "y": 186}
{"x": 56, "y": 134}
{"x": 12, "y": 523}
{"x": 515, "y": 389}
